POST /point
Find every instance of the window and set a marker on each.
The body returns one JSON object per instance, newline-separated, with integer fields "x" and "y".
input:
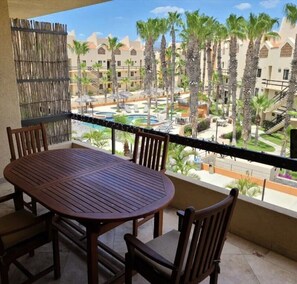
{"x": 118, "y": 63}
{"x": 132, "y": 73}
{"x": 259, "y": 72}
{"x": 100, "y": 62}
{"x": 117, "y": 52}
{"x": 101, "y": 50}
{"x": 119, "y": 74}
{"x": 286, "y": 74}
{"x": 133, "y": 52}
{"x": 256, "y": 92}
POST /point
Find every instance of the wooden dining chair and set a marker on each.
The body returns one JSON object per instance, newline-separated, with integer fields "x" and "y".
{"x": 150, "y": 150}
{"x": 186, "y": 256}
{"x": 21, "y": 232}
{"x": 26, "y": 141}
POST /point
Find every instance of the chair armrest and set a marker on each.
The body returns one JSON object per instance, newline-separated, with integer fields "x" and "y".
{"x": 180, "y": 214}
{"x": 134, "y": 243}
{"x": 7, "y": 197}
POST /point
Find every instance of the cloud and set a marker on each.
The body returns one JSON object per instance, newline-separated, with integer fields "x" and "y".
{"x": 243, "y": 6}
{"x": 166, "y": 9}
{"x": 119, "y": 18}
{"x": 99, "y": 33}
{"x": 268, "y": 4}
{"x": 82, "y": 35}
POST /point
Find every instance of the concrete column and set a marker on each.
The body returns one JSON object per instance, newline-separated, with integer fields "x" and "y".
{"x": 9, "y": 103}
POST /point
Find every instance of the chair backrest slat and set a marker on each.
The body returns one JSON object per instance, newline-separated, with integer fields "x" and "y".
{"x": 26, "y": 140}
{"x": 150, "y": 150}
{"x": 203, "y": 234}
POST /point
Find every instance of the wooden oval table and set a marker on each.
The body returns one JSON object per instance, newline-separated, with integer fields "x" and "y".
{"x": 97, "y": 189}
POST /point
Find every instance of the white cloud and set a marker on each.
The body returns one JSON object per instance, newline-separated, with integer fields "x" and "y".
{"x": 268, "y": 4}
{"x": 166, "y": 9}
{"x": 119, "y": 18}
{"x": 99, "y": 33}
{"x": 243, "y": 6}
{"x": 81, "y": 34}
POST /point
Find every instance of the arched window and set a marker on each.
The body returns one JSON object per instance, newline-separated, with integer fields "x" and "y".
{"x": 117, "y": 52}
{"x": 264, "y": 52}
{"x": 133, "y": 52}
{"x": 101, "y": 50}
{"x": 286, "y": 51}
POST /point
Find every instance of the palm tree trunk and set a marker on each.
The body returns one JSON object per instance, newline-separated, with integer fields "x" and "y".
{"x": 172, "y": 70}
{"x": 114, "y": 79}
{"x": 193, "y": 71}
{"x": 247, "y": 91}
{"x": 292, "y": 86}
{"x": 220, "y": 75}
{"x": 164, "y": 70}
{"x": 232, "y": 88}
{"x": 203, "y": 70}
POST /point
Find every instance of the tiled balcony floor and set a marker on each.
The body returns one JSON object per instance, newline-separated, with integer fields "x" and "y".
{"x": 242, "y": 261}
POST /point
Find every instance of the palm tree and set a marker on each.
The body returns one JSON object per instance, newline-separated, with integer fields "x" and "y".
{"x": 79, "y": 48}
{"x": 291, "y": 15}
{"x": 260, "y": 103}
{"x": 98, "y": 138}
{"x": 129, "y": 63}
{"x": 246, "y": 187}
{"x": 234, "y": 27}
{"x": 149, "y": 32}
{"x": 194, "y": 32}
{"x": 105, "y": 81}
{"x": 210, "y": 36}
{"x": 97, "y": 66}
{"x": 113, "y": 45}
{"x": 221, "y": 34}
{"x": 179, "y": 159}
{"x": 163, "y": 28}
{"x": 124, "y": 135}
{"x": 126, "y": 81}
{"x": 256, "y": 28}
{"x": 174, "y": 21}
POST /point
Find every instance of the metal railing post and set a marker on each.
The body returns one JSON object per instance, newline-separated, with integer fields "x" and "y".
{"x": 113, "y": 146}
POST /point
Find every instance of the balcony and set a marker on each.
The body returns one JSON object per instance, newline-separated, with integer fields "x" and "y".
{"x": 242, "y": 260}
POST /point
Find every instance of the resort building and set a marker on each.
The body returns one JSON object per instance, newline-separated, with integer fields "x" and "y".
{"x": 129, "y": 63}
{"x": 273, "y": 72}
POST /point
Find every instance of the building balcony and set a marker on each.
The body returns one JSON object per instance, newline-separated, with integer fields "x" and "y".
{"x": 242, "y": 261}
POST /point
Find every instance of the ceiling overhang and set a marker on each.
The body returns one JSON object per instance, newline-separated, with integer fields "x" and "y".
{"x": 24, "y": 9}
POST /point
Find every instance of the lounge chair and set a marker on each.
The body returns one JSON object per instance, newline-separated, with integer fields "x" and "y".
{"x": 136, "y": 108}
{"x": 165, "y": 127}
{"x": 145, "y": 109}
{"x": 127, "y": 109}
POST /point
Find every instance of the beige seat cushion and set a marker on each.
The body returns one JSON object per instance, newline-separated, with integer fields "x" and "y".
{"x": 16, "y": 221}
{"x": 166, "y": 246}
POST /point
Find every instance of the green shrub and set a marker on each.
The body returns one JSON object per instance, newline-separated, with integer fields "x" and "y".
{"x": 229, "y": 135}
{"x": 202, "y": 125}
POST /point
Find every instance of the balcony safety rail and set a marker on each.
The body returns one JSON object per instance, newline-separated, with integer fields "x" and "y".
{"x": 260, "y": 157}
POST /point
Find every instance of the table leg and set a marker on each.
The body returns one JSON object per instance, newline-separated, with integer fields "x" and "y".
{"x": 158, "y": 224}
{"x": 92, "y": 254}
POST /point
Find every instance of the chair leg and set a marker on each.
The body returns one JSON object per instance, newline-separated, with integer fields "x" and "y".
{"x": 56, "y": 254}
{"x": 215, "y": 274}
{"x": 135, "y": 228}
{"x": 128, "y": 270}
{"x": 34, "y": 207}
{"x": 4, "y": 274}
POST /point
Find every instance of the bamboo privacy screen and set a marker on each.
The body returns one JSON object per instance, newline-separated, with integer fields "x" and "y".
{"x": 41, "y": 65}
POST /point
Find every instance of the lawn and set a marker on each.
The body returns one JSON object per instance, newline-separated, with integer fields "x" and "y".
{"x": 276, "y": 138}
{"x": 260, "y": 147}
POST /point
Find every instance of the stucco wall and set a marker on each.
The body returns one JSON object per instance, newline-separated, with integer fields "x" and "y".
{"x": 269, "y": 226}
{"x": 9, "y": 104}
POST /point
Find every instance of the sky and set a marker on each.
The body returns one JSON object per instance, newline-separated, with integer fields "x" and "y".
{"x": 118, "y": 17}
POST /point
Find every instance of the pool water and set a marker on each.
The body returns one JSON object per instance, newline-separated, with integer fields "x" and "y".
{"x": 142, "y": 118}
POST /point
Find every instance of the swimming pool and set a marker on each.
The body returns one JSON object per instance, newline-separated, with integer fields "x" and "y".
{"x": 131, "y": 119}
{"x": 107, "y": 114}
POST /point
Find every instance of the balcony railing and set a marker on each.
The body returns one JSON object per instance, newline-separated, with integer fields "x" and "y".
{"x": 226, "y": 150}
